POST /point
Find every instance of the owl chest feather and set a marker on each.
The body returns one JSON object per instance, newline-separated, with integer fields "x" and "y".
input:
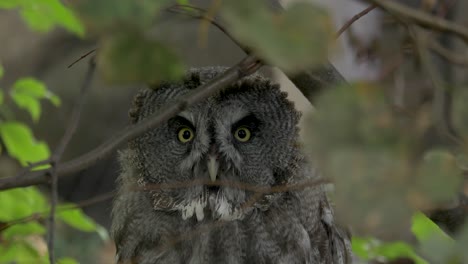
{"x": 263, "y": 237}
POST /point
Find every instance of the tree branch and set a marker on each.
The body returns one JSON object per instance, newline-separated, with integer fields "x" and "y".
{"x": 57, "y": 155}
{"x": 354, "y": 19}
{"x": 247, "y": 66}
{"x": 422, "y": 18}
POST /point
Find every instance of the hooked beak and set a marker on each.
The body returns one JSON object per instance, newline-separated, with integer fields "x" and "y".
{"x": 213, "y": 166}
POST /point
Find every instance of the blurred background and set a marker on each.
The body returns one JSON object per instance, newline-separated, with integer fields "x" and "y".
{"x": 365, "y": 52}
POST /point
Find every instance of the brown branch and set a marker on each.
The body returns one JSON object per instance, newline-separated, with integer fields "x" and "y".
{"x": 309, "y": 82}
{"x": 199, "y": 13}
{"x": 441, "y": 108}
{"x": 57, "y": 155}
{"x": 453, "y": 57}
{"x": 247, "y": 66}
{"x": 235, "y": 184}
{"x": 423, "y": 19}
{"x": 354, "y": 19}
{"x": 82, "y": 57}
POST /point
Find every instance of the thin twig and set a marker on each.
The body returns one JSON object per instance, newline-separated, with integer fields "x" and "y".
{"x": 354, "y": 19}
{"x": 247, "y": 66}
{"x": 82, "y": 57}
{"x": 235, "y": 184}
{"x": 57, "y": 155}
{"x": 439, "y": 109}
{"x": 199, "y": 13}
{"x": 423, "y": 19}
{"x": 452, "y": 57}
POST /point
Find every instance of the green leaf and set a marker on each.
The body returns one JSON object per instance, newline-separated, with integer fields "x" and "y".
{"x": 30, "y": 104}
{"x": 370, "y": 249}
{"x": 1, "y": 71}
{"x": 296, "y": 39}
{"x": 27, "y": 92}
{"x": 462, "y": 241}
{"x": 439, "y": 177}
{"x": 8, "y": 4}
{"x": 434, "y": 243}
{"x": 67, "y": 261}
{"x": 54, "y": 99}
{"x": 43, "y": 15}
{"x": 423, "y": 228}
{"x": 20, "y": 143}
{"x": 21, "y": 202}
{"x": 31, "y": 87}
{"x": 20, "y": 252}
{"x": 30, "y": 228}
{"x": 105, "y": 14}
{"x": 102, "y": 232}
{"x": 130, "y": 57}
{"x": 77, "y": 219}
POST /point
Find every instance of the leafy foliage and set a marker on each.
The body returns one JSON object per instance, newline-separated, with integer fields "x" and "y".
{"x": 358, "y": 139}
{"x": 130, "y": 53}
{"x": 130, "y": 57}
{"x": 27, "y": 92}
{"x": 21, "y": 251}
{"x": 77, "y": 219}
{"x": 24, "y": 209}
{"x": 371, "y": 248}
{"x": 364, "y": 143}
{"x": 20, "y": 143}
{"x": 111, "y": 14}
{"x": 293, "y": 40}
{"x": 43, "y": 15}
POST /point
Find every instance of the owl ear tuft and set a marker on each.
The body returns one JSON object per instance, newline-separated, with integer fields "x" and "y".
{"x": 138, "y": 102}
{"x": 193, "y": 80}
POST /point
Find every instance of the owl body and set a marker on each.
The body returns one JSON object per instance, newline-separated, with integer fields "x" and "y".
{"x": 225, "y": 181}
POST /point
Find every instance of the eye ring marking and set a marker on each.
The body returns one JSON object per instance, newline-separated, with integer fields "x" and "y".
{"x": 242, "y": 134}
{"x": 185, "y": 134}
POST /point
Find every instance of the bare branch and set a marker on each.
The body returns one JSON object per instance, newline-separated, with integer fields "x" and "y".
{"x": 354, "y": 19}
{"x": 82, "y": 57}
{"x": 57, "y": 155}
{"x": 422, "y": 18}
{"x": 455, "y": 58}
{"x": 247, "y": 66}
{"x": 236, "y": 184}
{"x": 309, "y": 82}
{"x": 199, "y": 13}
{"x": 441, "y": 106}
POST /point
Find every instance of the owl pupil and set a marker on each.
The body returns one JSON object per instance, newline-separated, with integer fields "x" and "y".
{"x": 241, "y": 134}
{"x": 186, "y": 134}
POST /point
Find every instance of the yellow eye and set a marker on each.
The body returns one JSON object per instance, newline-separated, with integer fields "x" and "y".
{"x": 242, "y": 134}
{"x": 185, "y": 134}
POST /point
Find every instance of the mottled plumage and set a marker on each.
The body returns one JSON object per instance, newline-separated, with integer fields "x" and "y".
{"x": 247, "y": 134}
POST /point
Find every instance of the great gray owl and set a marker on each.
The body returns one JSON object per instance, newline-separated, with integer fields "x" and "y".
{"x": 246, "y": 136}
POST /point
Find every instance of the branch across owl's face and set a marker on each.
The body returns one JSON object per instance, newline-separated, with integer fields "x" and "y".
{"x": 244, "y": 135}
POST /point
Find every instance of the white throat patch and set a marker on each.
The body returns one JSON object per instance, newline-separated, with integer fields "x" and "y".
{"x": 221, "y": 209}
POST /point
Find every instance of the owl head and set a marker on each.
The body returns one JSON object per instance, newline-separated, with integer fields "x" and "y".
{"x": 245, "y": 135}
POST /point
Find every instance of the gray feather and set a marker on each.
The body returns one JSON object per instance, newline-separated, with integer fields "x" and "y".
{"x": 229, "y": 224}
